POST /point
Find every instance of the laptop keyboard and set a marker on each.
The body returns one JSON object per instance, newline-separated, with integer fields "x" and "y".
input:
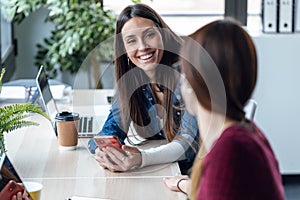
{"x": 86, "y": 125}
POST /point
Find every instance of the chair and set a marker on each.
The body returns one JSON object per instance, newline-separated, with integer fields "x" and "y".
{"x": 250, "y": 109}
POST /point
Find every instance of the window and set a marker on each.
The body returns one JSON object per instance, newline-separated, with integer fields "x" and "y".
{"x": 183, "y": 16}
{"x": 7, "y": 48}
{"x": 6, "y": 38}
{"x": 254, "y": 15}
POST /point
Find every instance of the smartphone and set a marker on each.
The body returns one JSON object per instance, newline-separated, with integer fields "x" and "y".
{"x": 104, "y": 141}
{"x": 10, "y": 189}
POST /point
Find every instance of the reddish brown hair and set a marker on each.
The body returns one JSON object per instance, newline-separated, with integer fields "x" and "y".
{"x": 233, "y": 53}
{"x": 231, "y": 50}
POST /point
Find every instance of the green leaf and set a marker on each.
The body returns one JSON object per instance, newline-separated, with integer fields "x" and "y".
{"x": 13, "y": 117}
{"x": 1, "y": 77}
{"x": 136, "y": 1}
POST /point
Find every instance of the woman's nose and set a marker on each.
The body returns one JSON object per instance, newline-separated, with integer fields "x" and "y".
{"x": 142, "y": 45}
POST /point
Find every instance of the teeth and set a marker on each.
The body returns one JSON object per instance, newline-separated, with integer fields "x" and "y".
{"x": 144, "y": 57}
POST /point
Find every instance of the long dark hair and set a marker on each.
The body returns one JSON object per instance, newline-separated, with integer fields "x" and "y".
{"x": 233, "y": 52}
{"x": 130, "y": 104}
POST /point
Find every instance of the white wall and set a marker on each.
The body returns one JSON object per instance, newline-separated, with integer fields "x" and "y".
{"x": 278, "y": 96}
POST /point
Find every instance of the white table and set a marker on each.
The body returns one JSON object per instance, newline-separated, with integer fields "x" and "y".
{"x": 35, "y": 154}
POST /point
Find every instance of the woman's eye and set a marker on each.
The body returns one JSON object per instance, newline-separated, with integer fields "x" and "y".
{"x": 150, "y": 35}
{"x": 130, "y": 41}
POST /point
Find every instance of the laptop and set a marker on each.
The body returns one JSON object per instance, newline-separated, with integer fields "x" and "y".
{"x": 10, "y": 181}
{"x": 89, "y": 125}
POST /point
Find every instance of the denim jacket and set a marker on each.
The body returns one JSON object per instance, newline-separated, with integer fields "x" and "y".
{"x": 188, "y": 131}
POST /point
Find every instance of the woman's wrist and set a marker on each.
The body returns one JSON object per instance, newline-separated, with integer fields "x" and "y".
{"x": 138, "y": 161}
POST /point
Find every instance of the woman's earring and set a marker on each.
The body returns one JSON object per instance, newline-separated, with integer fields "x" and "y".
{"x": 189, "y": 90}
{"x": 128, "y": 60}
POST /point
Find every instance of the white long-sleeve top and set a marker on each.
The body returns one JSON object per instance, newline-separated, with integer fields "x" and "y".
{"x": 166, "y": 153}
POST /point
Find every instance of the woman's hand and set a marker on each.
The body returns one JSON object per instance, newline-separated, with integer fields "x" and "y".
{"x": 120, "y": 160}
{"x": 21, "y": 196}
{"x": 172, "y": 183}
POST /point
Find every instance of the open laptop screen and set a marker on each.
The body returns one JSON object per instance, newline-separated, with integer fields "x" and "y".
{"x": 89, "y": 124}
{"x": 48, "y": 102}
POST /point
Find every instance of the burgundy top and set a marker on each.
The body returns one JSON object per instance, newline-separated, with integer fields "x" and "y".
{"x": 241, "y": 165}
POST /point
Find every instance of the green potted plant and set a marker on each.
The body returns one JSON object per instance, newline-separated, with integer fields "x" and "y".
{"x": 13, "y": 117}
{"x": 80, "y": 26}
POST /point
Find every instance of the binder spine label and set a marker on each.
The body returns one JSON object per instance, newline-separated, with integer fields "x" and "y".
{"x": 269, "y": 16}
{"x": 285, "y": 16}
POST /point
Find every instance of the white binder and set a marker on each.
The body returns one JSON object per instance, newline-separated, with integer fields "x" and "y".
{"x": 269, "y": 13}
{"x": 297, "y": 16}
{"x": 285, "y": 16}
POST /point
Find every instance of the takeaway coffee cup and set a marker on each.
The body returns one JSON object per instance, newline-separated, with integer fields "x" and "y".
{"x": 67, "y": 126}
{"x": 34, "y": 189}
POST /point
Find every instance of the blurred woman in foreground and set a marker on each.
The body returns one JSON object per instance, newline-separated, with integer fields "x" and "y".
{"x": 236, "y": 160}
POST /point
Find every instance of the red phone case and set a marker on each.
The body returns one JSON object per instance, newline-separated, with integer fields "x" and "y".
{"x": 10, "y": 189}
{"x": 104, "y": 141}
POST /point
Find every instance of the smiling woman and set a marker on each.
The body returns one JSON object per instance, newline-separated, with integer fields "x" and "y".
{"x": 143, "y": 44}
{"x": 148, "y": 95}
